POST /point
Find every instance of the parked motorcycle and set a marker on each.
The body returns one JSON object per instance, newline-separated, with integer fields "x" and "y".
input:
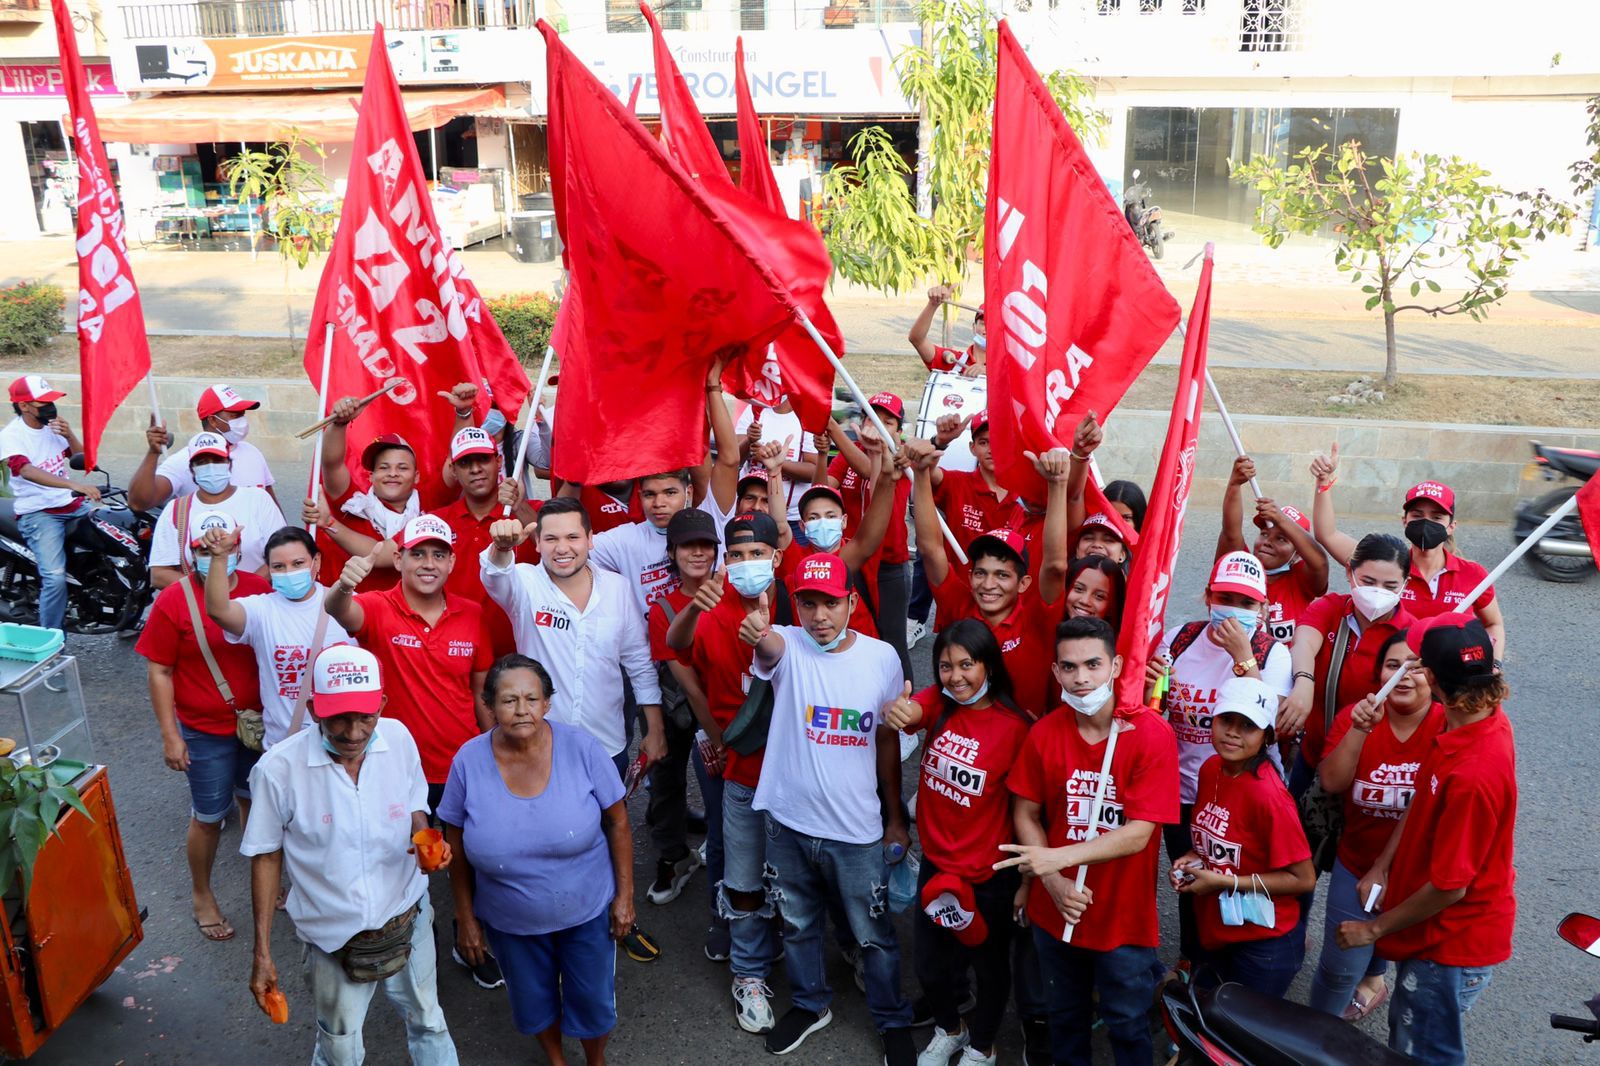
{"x": 1145, "y": 217}
{"x": 108, "y": 567}
{"x": 1583, "y": 932}
{"x": 1232, "y": 1026}
{"x": 1563, "y": 554}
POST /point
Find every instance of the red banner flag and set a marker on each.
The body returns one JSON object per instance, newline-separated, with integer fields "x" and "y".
{"x": 1589, "y": 515}
{"x": 1150, "y": 580}
{"x": 755, "y": 162}
{"x": 398, "y": 296}
{"x": 1075, "y": 310}
{"x": 682, "y": 127}
{"x": 674, "y": 275}
{"x": 113, "y": 349}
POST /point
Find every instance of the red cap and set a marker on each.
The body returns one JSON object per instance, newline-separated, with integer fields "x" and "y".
{"x": 820, "y": 490}
{"x": 471, "y": 441}
{"x": 219, "y": 398}
{"x": 889, "y": 402}
{"x": 33, "y": 388}
{"x": 426, "y": 527}
{"x": 980, "y": 422}
{"x": 1240, "y": 572}
{"x": 1006, "y": 538}
{"x": 823, "y": 573}
{"x": 1100, "y": 518}
{"x": 369, "y": 454}
{"x": 1436, "y": 491}
{"x": 346, "y": 680}
{"x": 1293, "y": 514}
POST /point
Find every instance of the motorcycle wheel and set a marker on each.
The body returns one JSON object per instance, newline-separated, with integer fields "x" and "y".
{"x": 1158, "y": 245}
{"x": 1565, "y": 569}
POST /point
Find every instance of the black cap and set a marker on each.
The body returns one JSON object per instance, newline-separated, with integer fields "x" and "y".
{"x": 689, "y": 526}
{"x": 1455, "y": 648}
{"x": 752, "y": 527}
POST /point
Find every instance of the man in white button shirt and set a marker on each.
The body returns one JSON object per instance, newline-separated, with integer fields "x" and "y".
{"x": 338, "y": 805}
{"x": 221, "y": 411}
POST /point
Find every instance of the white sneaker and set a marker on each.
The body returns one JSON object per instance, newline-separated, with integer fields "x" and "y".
{"x": 751, "y": 997}
{"x": 915, "y": 631}
{"x": 977, "y": 1058}
{"x": 942, "y": 1046}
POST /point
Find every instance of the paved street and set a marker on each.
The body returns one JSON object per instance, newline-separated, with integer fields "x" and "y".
{"x": 178, "y": 999}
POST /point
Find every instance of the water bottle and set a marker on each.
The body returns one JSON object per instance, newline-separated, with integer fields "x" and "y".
{"x": 904, "y": 869}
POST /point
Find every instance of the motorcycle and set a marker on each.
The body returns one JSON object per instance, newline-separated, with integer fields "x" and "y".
{"x": 1563, "y": 554}
{"x": 1582, "y": 932}
{"x": 1145, "y": 218}
{"x": 1230, "y": 1025}
{"x": 108, "y": 567}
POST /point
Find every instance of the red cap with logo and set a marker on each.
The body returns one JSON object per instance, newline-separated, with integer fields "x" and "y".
{"x": 1007, "y": 539}
{"x": 1100, "y": 518}
{"x": 1293, "y": 514}
{"x": 1438, "y": 492}
{"x": 1240, "y": 572}
{"x": 426, "y": 527}
{"x": 219, "y": 398}
{"x": 980, "y": 422}
{"x": 471, "y": 441}
{"x": 823, "y": 573}
{"x": 345, "y": 680}
{"x": 369, "y": 454}
{"x": 888, "y": 401}
{"x": 33, "y": 388}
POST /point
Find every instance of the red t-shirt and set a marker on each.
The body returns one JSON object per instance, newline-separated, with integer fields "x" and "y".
{"x": 951, "y": 359}
{"x": 1027, "y": 636}
{"x": 857, "y": 493}
{"x": 969, "y": 505}
{"x": 722, "y": 662}
{"x": 1385, "y": 781}
{"x": 1060, "y": 771}
{"x": 1459, "y": 835}
{"x": 334, "y": 557}
{"x": 963, "y": 807}
{"x": 1288, "y": 595}
{"x": 861, "y": 619}
{"x": 1359, "y": 678}
{"x": 657, "y": 622}
{"x": 168, "y": 640}
{"x": 427, "y": 670}
{"x": 608, "y": 513}
{"x": 466, "y": 580}
{"x": 1245, "y": 824}
{"x": 1450, "y": 587}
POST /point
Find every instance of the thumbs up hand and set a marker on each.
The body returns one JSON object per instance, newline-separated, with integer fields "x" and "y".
{"x": 358, "y": 567}
{"x": 758, "y": 623}
{"x": 709, "y": 594}
{"x": 903, "y": 713}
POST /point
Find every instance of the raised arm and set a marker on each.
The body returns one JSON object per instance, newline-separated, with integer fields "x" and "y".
{"x": 335, "y": 470}
{"x": 1325, "y": 468}
{"x": 464, "y": 398}
{"x": 925, "y": 513}
{"x": 725, "y": 468}
{"x": 918, "y": 336}
{"x": 224, "y": 610}
{"x": 1085, "y": 439}
{"x": 857, "y": 459}
{"x": 1311, "y": 553}
{"x": 1231, "y": 539}
{"x": 147, "y": 489}
{"x": 1054, "y": 466}
{"x": 680, "y": 631}
{"x": 756, "y": 630}
{"x": 875, "y": 520}
{"x": 340, "y": 602}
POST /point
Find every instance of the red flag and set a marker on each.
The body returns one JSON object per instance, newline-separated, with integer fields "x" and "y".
{"x": 398, "y": 297}
{"x": 1150, "y": 580}
{"x": 1075, "y": 310}
{"x": 633, "y": 95}
{"x": 673, "y": 273}
{"x": 755, "y": 164}
{"x": 1589, "y": 515}
{"x": 682, "y": 127}
{"x": 113, "y": 349}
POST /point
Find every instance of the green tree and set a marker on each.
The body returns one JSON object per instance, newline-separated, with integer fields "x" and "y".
{"x": 1405, "y": 227}
{"x": 1585, "y": 173}
{"x": 870, "y": 219}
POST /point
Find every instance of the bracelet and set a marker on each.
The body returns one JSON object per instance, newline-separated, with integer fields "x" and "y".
{"x": 713, "y": 388}
{"x": 1324, "y": 488}
{"x": 1075, "y": 455}
{"x": 1298, "y": 674}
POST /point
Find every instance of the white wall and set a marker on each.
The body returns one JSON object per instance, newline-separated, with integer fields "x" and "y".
{"x": 18, "y": 221}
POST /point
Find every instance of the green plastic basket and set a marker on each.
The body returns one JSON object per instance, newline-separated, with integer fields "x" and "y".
{"x": 29, "y": 644}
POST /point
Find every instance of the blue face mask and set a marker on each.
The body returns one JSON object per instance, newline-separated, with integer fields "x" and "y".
{"x": 493, "y": 422}
{"x": 327, "y": 745}
{"x": 1247, "y": 617}
{"x": 203, "y": 565}
{"x": 213, "y": 477}
{"x": 293, "y": 585}
{"x": 983, "y": 690}
{"x": 979, "y": 341}
{"x": 834, "y": 643}
{"x": 825, "y": 533}
{"x": 750, "y": 578}
{"x": 1276, "y": 570}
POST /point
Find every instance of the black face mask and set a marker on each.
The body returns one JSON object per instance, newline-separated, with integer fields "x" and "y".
{"x": 1426, "y": 534}
{"x": 46, "y": 412}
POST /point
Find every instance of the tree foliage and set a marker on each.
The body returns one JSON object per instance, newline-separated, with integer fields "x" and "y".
{"x": 1407, "y": 228}
{"x": 870, "y": 219}
{"x": 293, "y": 191}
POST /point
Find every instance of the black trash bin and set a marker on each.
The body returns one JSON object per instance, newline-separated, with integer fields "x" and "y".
{"x": 533, "y": 237}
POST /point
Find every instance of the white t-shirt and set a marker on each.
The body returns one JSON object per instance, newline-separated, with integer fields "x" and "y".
{"x": 249, "y": 468}
{"x": 820, "y": 773}
{"x": 279, "y": 631}
{"x": 1197, "y": 676}
{"x": 251, "y": 507}
{"x": 45, "y": 449}
{"x": 638, "y": 552}
{"x": 779, "y": 427}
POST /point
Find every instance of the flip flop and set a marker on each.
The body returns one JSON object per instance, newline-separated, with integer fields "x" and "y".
{"x": 1359, "y": 1008}
{"x": 207, "y": 927}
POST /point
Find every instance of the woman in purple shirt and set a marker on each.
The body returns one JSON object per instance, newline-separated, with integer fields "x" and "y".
{"x": 534, "y": 814}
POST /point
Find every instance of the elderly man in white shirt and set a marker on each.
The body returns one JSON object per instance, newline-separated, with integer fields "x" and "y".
{"x": 338, "y": 805}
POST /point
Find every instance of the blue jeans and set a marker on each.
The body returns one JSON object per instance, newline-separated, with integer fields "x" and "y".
{"x": 1267, "y": 966}
{"x": 711, "y": 795}
{"x": 1339, "y": 971}
{"x": 1126, "y": 980}
{"x": 1425, "y": 1013}
{"x": 808, "y": 871}
{"x": 219, "y": 772}
{"x": 753, "y": 940}
{"x": 47, "y": 535}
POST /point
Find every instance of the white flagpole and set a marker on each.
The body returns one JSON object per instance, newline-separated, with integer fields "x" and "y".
{"x": 322, "y": 412}
{"x": 155, "y": 400}
{"x": 1222, "y": 409}
{"x": 535, "y": 398}
{"x": 883, "y": 432}
{"x": 1094, "y": 813}
{"x": 1489, "y": 579}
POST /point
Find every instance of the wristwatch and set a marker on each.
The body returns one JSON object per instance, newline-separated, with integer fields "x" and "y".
{"x": 1242, "y": 668}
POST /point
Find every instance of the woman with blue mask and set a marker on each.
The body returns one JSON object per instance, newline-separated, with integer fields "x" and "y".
{"x": 1198, "y": 659}
{"x": 251, "y": 507}
{"x": 280, "y": 626}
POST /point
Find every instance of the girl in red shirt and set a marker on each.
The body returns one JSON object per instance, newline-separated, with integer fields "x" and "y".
{"x": 1250, "y": 862}
{"x": 1373, "y": 753}
{"x": 975, "y": 731}
{"x": 1096, "y": 588}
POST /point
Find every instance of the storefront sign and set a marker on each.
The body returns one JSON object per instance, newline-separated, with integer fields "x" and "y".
{"x": 41, "y": 79}
{"x": 312, "y": 61}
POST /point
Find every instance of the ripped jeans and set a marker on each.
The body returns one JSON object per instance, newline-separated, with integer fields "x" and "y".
{"x": 1425, "y": 1012}
{"x": 753, "y": 939}
{"x": 808, "y": 871}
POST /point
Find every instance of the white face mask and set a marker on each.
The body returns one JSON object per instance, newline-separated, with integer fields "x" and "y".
{"x": 1374, "y": 602}
{"x": 1089, "y": 705}
{"x": 237, "y": 430}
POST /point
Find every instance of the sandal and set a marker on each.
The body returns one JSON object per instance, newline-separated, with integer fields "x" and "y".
{"x": 206, "y": 930}
{"x": 1359, "y": 1008}
{"x": 639, "y": 946}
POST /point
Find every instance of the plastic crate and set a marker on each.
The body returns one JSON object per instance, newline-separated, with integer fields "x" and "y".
{"x": 29, "y": 644}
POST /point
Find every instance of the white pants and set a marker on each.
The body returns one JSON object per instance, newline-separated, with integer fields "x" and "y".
{"x": 341, "y": 1003}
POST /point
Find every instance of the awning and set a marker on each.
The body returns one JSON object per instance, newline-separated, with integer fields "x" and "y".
{"x": 197, "y": 118}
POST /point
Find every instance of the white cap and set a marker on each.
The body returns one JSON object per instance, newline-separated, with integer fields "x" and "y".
{"x": 427, "y": 527}
{"x": 346, "y": 680}
{"x": 203, "y": 522}
{"x": 1249, "y": 696}
{"x": 208, "y": 444}
{"x": 1240, "y": 572}
{"x": 471, "y": 441}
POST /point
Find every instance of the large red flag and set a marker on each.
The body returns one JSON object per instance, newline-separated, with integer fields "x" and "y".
{"x": 1075, "y": 310}
{"x": 682, "y": 126}
{"x": 113, "y": 349}
{"x": 1150, "y": 581}
{"x": 1589, "y": 515}
{"x": 398, "y": 297}
{"x": 673, "y": 274}
{"x": 755, "y": 164}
